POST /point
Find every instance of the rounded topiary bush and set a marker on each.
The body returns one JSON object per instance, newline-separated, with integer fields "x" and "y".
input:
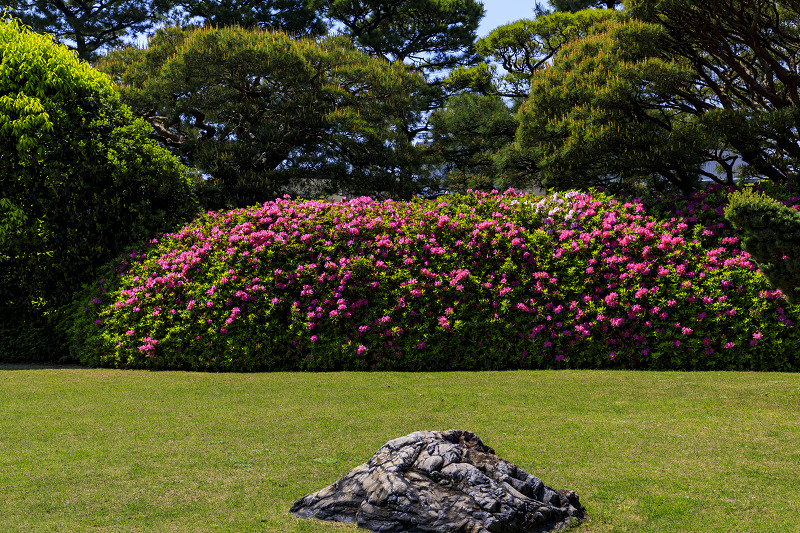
{"x": 80, "y": 181}
{"x": 479, "y": 281}
{"x": 771, "y": 237}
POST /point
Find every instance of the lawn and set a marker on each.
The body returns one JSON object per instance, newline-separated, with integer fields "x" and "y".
{"x": 108, "y": 450}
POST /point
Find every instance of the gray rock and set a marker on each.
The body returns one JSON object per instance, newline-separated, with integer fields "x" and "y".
{"x": 444, "y": 482}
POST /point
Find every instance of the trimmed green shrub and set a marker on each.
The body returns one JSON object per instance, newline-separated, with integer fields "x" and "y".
{"x": 80, "y": 181}
{"x": 772, "y": 238}
{"x": 478, "y": 281}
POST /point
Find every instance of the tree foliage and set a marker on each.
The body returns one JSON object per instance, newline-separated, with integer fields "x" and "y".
{"x": 666, "y": 89}
{"x": 744, "y": 54}
{"x": 428, "y": 36}
{"x": 93, "y": 27}
{"x": 89, "y": 26}
{"x": 261, "y": 114}
{"x": 772, "y": 238}
{"x": 294, "y": 17}
{"x": 78, "y": 175}
{"x": 600, "y": 115}
{"x": 522, "y": 49}
{"x": 579, "y": 5}
{"x": 466, "y": 134}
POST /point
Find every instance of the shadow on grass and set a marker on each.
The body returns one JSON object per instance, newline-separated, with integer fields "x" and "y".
{"x": 25, "y": 366}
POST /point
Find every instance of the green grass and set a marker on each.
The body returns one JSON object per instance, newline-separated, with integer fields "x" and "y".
{"x": 109, "y": 450}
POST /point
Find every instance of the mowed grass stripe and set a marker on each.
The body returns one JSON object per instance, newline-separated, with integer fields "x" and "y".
{"x": 109, "y": 450}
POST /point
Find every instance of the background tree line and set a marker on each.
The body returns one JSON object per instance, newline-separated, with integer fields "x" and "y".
{"x": 649, "y": 92}
{"x": 246, "y": 101}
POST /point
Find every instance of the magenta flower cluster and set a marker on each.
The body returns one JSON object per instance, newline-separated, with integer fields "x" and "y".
{"x": 476, "y": 281}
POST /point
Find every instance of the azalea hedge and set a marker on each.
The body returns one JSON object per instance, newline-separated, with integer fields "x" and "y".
{"x": 474, "y": 281}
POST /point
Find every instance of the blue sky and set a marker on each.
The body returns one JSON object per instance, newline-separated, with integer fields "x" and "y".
{"x": 499, "y": 12}
{"x": 496, "y": 13}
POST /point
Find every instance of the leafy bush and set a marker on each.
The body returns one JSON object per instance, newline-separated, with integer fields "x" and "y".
{"x": 80, "y": 181}
{"x": 772, "y": 237}
{"x": 478, "y": 281}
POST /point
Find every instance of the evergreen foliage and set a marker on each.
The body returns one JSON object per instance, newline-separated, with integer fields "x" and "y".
{"x": 429, "y": 37}
{"x": 80, "y": 181}
{"x": 466, "y": 134}
{"x": 522, "y": 49}
{"x": 747, "y": 85}
{"x": 90, "y": 27}
{"x": 772, "y": 238}
{"x": 667, "y": 88}
{"x": 294, "y": 17}
{"x": 595, "y": 116}
{"x": 261, "y": 114}
{"x": 578, "y": 5}
{"x": 265, "y": 104}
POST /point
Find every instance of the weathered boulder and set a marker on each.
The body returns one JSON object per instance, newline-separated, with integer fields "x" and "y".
{"x": 442, "y": 481}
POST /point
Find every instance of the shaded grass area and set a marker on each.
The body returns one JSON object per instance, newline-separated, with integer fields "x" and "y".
{"x": 108, "y": 450}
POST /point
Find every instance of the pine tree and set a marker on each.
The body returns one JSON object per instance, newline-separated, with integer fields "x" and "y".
{"x": 90, "y": 27}
{"x": 262, "y": 114}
